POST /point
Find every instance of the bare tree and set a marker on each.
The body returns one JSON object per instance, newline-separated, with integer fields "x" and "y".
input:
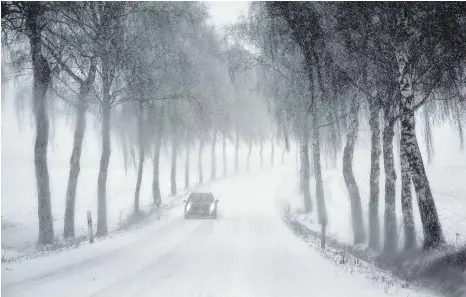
{"x": 30, "y": 18}
{"x": 66, "y": 43}
{"x": 356, "y": 210}
{"x": 109, "y": 54}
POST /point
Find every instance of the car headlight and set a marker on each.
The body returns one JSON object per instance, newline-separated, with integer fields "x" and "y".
{"x": 188, "y": 206}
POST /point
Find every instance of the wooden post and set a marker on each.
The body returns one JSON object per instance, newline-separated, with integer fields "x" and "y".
{"x": 324, "y": 227}
{"x": 89, "y": 227}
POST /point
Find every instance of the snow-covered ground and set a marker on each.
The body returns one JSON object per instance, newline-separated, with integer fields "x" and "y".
{"x": 247, "y": 251}
{"x": 446, "y": 174}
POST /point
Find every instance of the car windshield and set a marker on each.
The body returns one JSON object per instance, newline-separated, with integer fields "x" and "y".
{"x": 201, "y": 198}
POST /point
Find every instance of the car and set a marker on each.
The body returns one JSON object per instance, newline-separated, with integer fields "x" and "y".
{"x": 200, "y": 205}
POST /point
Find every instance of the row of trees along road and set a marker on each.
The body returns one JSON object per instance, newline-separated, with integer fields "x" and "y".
{"x": 154, "y": 73}
{"x": 327, "y": 66}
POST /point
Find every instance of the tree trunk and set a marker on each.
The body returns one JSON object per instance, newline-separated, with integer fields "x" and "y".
{"x": 201, "y": 146}
{"x": 334, "y": 159}
{"x": 302, "y": 167}
{"x": 173, "y": 169}
{"x": 237, "y": 151}
{"x": 287, "y": 146}
{"x": 248, "y": 161}
{"x": 374, "y": 187}
{"x": 141, "y": 158}
{"x": 428, "y": 136}
{"x": 391, "y": 239}
{"x": 298, "y": 156}
{"x": 107, "y": 73}
{"x": 156, "y": 162}
{"x": 433, "y": 233}
{"x": 311, "y": 158}
{"x": 261, "y": 149}
{"x": 272, "y": 153}
{"x": 104, "y": 162}
{"x": 407, "y": 202}
{"x": 225, "y": 166}
{"x": 186, "y": 166}
{"x": 353, "y": 190}
{"x": 68, "y": 230}
{"x": 42, "y": 78}
{"x": 283, "y": 156}
{"x": 74, "y": 169}
{"x": 321, "y": 209}
{"x": 397, "y": 129}
{"x": 213, "y": 168}
{"x": 305, "y": 166}
{"x": 460, "y": 126}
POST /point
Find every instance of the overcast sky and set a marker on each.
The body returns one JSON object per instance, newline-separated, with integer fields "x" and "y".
{"x": 226, "y": 12}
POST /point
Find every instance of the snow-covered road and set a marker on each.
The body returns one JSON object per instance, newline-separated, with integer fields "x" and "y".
{"x": 247, "y": 251}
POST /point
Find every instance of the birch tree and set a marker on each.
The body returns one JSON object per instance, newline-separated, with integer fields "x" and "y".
{"x": 29, "y": 18}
